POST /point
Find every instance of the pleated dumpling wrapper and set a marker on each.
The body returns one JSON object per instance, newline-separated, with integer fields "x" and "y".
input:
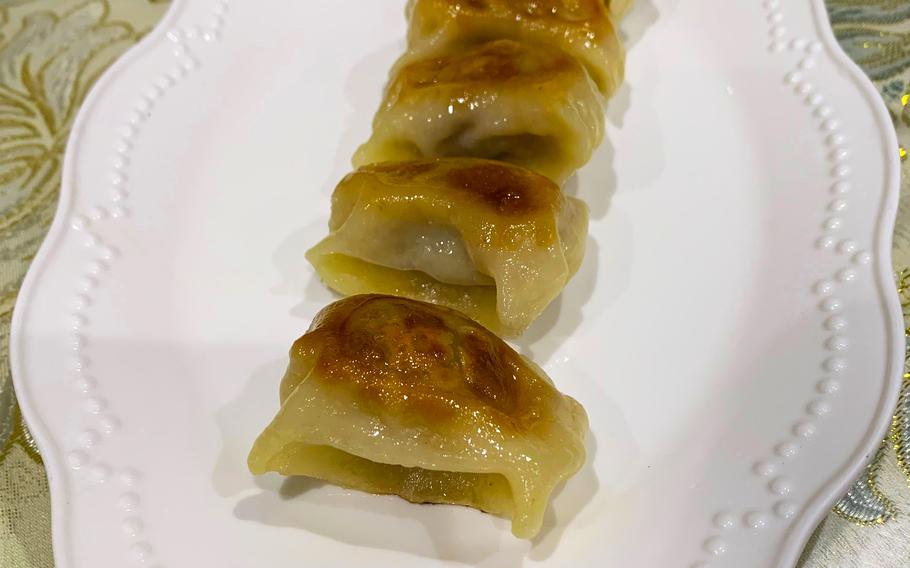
{"x": 492, "y": 240}
{"x": 582, "y": 28}
{"x": 392, "y": 396}
{"x": 524, "y": 104}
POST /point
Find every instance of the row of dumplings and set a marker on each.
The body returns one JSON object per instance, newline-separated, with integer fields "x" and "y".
{"x": 456, "y": 199}
{"x": 453, "y": 225}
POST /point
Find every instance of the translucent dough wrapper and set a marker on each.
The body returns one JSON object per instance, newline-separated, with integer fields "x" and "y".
{"x": 529, "y": 105}
{"x": 494, "y": 241}
{"x": 393, "y": 396}
{"x": 619, "y": 8}
{"x": 582, "y": 28}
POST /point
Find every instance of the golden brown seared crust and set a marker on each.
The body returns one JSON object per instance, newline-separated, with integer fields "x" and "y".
{"x": 505, "y": 189}
{"x": 579, "y": 26}
{"x": 496, "y": 62}
{"x": 420, "y": 362}
{"x": 401, "y": 171}
{"x": 585, "y": 13}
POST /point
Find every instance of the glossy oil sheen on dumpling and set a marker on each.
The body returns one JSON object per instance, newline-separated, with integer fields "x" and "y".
{"x": 581, "y": 28}
{"x": 495, "y": 241}
{"x": 525, "y": 104}
{"x": 393, "y": 396}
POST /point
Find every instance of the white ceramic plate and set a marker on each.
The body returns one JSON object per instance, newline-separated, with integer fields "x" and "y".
{"x": 733, "y": 333}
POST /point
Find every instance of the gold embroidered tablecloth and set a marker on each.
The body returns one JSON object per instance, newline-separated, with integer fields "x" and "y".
{"x": 52, "y": 51}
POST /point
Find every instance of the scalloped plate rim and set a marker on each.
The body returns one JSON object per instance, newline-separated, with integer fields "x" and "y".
{"x": 799, "y": 531}
{"x": 828, "y": 494}
{"x": 51, "y": 455}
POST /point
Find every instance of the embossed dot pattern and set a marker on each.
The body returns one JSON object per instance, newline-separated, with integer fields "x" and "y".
{"x": 94, "y": 405}
{"x": 826, "y": 242}
{"x": 846, "y": 246}
{"x": 132, "y": 526}
{"x": 862, "y": 257}
{"x": 141, "y": 551}
{"x": 98, "y": 421}
{"x": 764, "y": 468}
{"x": 837, "y": 343}
{"x": 77, "y": 459}
{"x": 834, "y": 239}
{"x": 109, "y": 424}
{"x": 804, "y": 429}
{"x": 129, "y": 477}
{"x": 819, "y": 407}
{"x": 88, "y": 439}
{"x": 716, "y": 546}
{"x": 831, "y": 305}
{"x": 756, "y": 520}
{"x": 725, "y": 520}
{"x": 836, "y": 206}
{"x": 835, "y": 323}
{"x": 84, "y": 384}
{"x": 781, "y": 486}
{"x": 786, "y": 509}
{"x": 100, "y": 472}
{"x": 846, "y": 275}
{"x": 835, "y": 364}
{"x": 786, "y": 450}
{"x": 824, "y": 287}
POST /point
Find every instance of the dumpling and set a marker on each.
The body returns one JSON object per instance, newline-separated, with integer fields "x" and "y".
{"x": 525, "y": 104}
{"x": 581, "y": 28}
{"x": 492, "y": 240}
{"x": 393, "y": 396}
